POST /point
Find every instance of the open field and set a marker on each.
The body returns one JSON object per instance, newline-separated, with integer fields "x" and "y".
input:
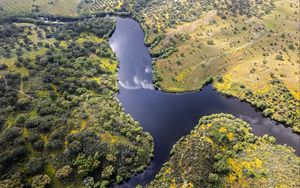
{"x": 100, "y": 6}
{"x": 249, "y": 46}
{"x": 60, "y": 7}
{"x": 222, "y": 152}
{"x": 239, "y": 45}
{"x": 57, "y": 7}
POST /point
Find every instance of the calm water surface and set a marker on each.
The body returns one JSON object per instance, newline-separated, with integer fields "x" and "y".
{"x": 168, "y": 117}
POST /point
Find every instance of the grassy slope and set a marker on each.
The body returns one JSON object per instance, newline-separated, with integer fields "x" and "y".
{"x": 238, "y": 50}
{"x": 222, "y": 152}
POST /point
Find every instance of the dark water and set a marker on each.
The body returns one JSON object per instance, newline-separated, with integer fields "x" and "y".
{"x": 168, "y": 117}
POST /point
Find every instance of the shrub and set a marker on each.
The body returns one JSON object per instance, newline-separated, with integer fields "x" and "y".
{"x": 268, "y": 112}
{"x": 279, "y": 57}
{"x": 210, "y": 42}
{"x": 3, "y": 66}
{"x": 213, "y": 178}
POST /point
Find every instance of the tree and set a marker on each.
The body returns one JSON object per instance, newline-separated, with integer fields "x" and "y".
{"x": 38, "y": 145}
{"x": 221, "y": 167}
{"x": 41, "y": 181}
{"x": 14, "y": 181}
{"x": 213, "y": 178}
{"x": 108, "y": 171}
{"x": 24, "y": 104}
{"x": 64, "y": 172}
{"x": 86, "y": 164}
{"x": 11, "y": 133}
{"x": 3, "y": 66}
{"x": 35, "y": 166}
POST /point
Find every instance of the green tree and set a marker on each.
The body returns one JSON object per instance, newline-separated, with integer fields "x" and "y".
{"x": 41, "y": 181}
{"x": 64, "y": 172}
{"x": 86, "y": 164}
{"x": 108, "y": 171}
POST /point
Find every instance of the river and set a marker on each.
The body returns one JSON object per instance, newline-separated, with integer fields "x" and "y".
{"x": 168, "y": 116}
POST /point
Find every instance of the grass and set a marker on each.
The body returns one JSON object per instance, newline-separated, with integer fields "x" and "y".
{"x": 12, "y": 67}
{"x": 10, "y": 62}
{"x": 57, "y": 7}
{"x": 85, "y": 37}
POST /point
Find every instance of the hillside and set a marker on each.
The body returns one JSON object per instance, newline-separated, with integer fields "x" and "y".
{"x": 60, "y": 122}
{"x": 248, "y": 49}
{"x": 222, "y": 152}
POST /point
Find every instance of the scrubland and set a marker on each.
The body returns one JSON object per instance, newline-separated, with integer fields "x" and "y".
{"x": 222, "y": 152}
{"x": 240, "y": 46}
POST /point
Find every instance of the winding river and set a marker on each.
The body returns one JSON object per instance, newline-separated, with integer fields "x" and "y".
{"x": 168, "y": 117}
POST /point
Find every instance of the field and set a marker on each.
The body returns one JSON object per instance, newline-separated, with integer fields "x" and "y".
{"x": 250, "y": 45}
{"x": 238, "y": 46}
{"x": 57, "y": 7}
{"x": 60, "y": 7}
{"x": 222, "y": 152}
{"x": 100, "y": 6}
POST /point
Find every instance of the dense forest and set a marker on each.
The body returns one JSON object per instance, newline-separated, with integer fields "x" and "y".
{"x": 60, "y": 122}
{"x": 222, "y": 152}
